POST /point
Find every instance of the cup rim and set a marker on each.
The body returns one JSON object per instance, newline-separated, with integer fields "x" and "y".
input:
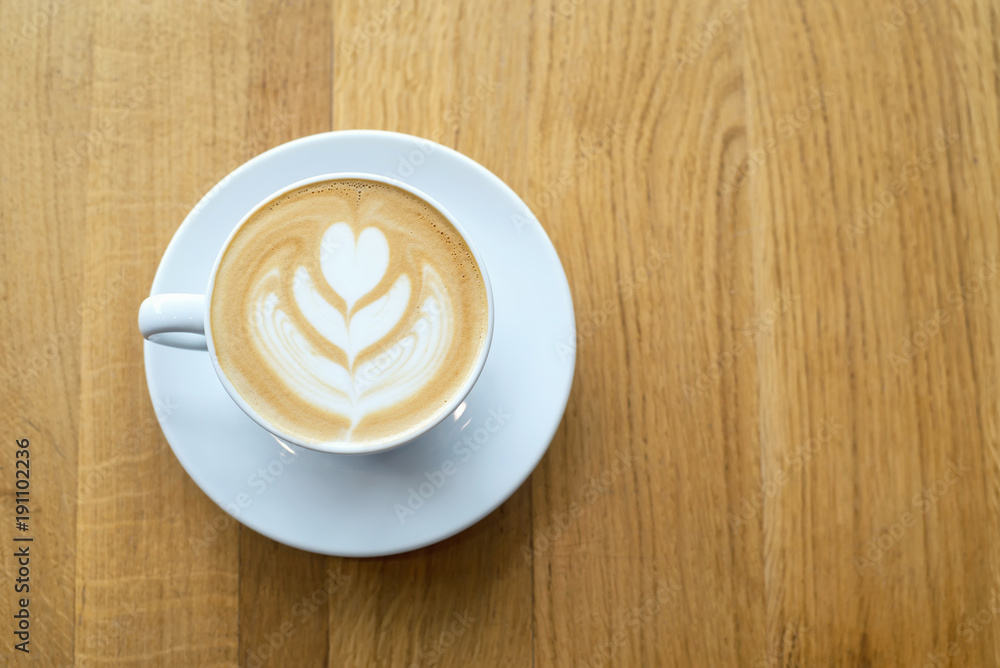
{"x": 337, "y": 447}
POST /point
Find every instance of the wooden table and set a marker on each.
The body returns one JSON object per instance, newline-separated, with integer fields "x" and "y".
{"x": 780, "y": 224}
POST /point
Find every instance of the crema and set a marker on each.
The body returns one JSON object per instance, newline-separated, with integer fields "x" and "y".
{"x": 348, "y": 311}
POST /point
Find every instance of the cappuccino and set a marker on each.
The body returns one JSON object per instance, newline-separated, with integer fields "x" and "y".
{"x": 348, "y": 311}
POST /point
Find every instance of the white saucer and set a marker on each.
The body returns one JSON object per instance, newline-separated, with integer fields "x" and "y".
{"x": 422, "y": 492}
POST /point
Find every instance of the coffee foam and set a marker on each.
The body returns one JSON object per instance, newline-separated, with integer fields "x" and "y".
{"x": 348, "y": 311}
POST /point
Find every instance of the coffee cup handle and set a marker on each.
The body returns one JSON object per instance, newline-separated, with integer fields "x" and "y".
{"x": 174, "y": 320}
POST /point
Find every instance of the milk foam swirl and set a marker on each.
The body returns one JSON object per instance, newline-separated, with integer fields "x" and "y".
{"x": 406, "y": 357}
{"x": 348, "y": 311}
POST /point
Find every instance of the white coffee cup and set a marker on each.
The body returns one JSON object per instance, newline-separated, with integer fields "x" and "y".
{"x": 182, "y": 321}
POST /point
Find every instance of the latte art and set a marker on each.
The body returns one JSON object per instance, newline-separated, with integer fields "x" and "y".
{"x": 348, "y": 311}
{"x": 353, "y": 390}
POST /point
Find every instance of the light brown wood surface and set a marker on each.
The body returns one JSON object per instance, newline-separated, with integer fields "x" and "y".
{"x": 781, "y": 225}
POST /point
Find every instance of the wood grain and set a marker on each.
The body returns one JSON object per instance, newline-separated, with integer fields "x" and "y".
{"x": 781, "y": 225}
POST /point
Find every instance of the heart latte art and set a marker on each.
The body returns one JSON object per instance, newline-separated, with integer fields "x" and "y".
{"x": 348, "y": 311}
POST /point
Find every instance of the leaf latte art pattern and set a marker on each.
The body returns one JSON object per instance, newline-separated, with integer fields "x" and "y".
{"x": 334, "y": 380}
{"x": 348, "y": 311}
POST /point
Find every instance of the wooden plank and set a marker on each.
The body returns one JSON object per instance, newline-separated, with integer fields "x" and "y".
{"x": 780, "y": 224}
{"x": 864, "y": 217}
{"x": 283, "y": 591}
{"x": 661, "y": 438}
{"x": 168, "y": 103}
{"x": 42, "y": 233}
{"x": 445, "y": 72}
